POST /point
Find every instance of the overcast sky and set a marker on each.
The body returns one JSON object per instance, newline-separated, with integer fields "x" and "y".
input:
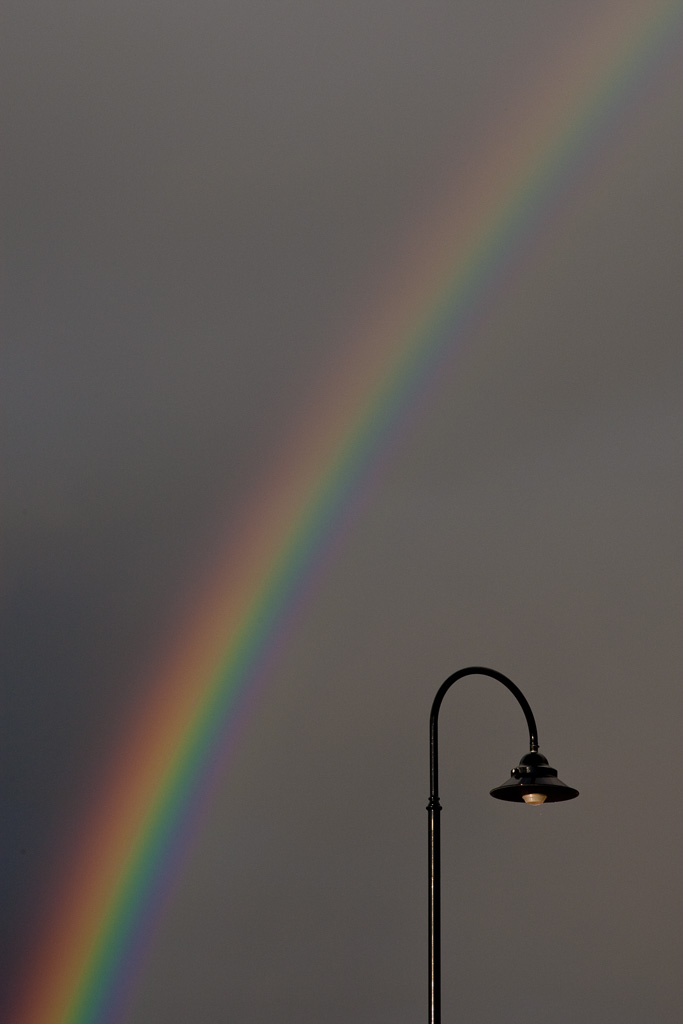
{"x": 200, "y": 200}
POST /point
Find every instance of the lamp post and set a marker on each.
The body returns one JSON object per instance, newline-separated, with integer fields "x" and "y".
{"x": 533, "y": 782}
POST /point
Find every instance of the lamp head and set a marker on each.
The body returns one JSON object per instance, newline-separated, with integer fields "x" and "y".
{"x": 533, "y": 781}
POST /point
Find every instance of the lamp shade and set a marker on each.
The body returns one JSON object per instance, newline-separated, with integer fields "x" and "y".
{"x": 534, "y": 776}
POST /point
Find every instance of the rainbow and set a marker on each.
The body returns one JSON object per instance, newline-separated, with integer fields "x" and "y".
{"x": 199, "y": 700}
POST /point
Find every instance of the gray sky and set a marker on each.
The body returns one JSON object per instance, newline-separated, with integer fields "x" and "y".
{"x": 200, "y": 200}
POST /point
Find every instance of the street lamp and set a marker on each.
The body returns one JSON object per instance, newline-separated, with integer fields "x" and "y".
{"x": 532, "y": 782}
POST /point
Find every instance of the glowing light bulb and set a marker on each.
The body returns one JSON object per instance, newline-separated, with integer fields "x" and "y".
{"x": 533, "y": 798}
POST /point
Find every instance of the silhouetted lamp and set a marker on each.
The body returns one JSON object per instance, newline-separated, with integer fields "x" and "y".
{"x": 532, "y": 782}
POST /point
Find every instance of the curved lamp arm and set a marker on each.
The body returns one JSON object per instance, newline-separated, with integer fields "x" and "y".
{"x": 434, "y": 718}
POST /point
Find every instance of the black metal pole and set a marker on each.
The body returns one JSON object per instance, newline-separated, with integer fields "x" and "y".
{"x": 434, "y": 809}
